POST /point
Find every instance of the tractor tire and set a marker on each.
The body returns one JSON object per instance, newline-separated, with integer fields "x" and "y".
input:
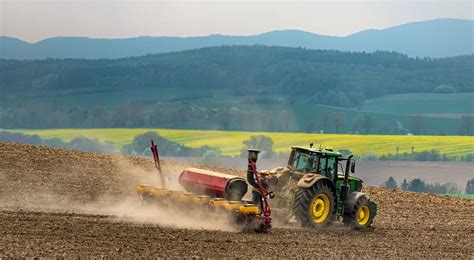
{"x": 315, "y": 207}
{"x": 362, "y": 216}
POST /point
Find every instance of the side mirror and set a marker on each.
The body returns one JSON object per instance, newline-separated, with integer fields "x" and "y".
{"x": 353, "y": 166}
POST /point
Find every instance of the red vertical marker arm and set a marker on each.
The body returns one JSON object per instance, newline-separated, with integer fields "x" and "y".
{"x": 156, "y": 158}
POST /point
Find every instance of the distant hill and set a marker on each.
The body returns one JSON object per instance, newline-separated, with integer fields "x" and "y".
{"x": 252, "y": 88}
{"x": 259, "y": 69}
{"x": 433, "y": 38}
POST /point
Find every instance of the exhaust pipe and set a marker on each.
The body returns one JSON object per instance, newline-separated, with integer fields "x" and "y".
{"x": 252, "y": 159}
{"x": 345, "y": 183}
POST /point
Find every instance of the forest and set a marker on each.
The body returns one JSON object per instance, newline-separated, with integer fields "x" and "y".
{"x": 271, "y": 81}
{"x": 259, "y": 69}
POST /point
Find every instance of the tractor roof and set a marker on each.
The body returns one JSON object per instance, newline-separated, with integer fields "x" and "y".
{"x": 327, "y": 150}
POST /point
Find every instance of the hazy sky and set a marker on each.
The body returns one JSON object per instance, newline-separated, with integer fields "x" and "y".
{"x": 34, "y": 20}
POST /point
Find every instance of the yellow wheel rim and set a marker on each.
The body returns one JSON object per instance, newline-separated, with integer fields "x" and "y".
{"x": 363, "y": 215}
{"x": 320, "y": 207}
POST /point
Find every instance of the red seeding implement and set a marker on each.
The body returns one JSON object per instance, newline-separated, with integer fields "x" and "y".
{"x": 215, "y": 192}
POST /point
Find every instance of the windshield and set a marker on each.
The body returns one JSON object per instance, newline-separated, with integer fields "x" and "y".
{"x": 303, "y": 162}
{"x": 306, "y": 162}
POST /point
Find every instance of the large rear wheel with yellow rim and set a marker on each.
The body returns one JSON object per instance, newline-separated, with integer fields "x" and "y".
{"x": 361, "y": 216}
{"x": 315, "y": 206}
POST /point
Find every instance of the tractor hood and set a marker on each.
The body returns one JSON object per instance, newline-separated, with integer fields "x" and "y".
{"x": 340, "y": 175}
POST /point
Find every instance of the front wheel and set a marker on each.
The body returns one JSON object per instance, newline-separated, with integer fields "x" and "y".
{"x": 314, "y": 206}
{"x": 362, "y": 215}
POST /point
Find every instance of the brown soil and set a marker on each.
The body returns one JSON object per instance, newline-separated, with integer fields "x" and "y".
{"x": 56, "y": 202}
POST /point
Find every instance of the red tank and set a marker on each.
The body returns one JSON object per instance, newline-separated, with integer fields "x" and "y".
{"x": 214, "y": 184}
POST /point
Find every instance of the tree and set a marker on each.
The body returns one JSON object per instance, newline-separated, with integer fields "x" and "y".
{"x": 418, "y": 125}
{"x": 141, "y": 145}
{"x": 20, "y": 138}
{"x": 432, "y": 155}
{"x": 287, "y": 119}
{"x": 444, "y": 89}
{"x": 211, "y": 158}
{"x": 99, "y": 117}
{"x": 467, "y": 125}
{"x": 368, "y": 157}
{"x": 54, "y": 142}
{"x": 335, "y": 120}
{"x": 130, "y": 114}
{"x": 470, "y": 186}
{"x": 452, "y": 188}
{"x": 92, "y": 145}
{"x": 142, "y": 142}
{"x": 224, "y": 118}
{"x": 345, "y": 152}
{"x": 362, "y": 123}
{"x": 391, "y": 183}
{"x": 404, "y": 185}
{"x": 260, "y": 142}
{"x": 417, "y": 185}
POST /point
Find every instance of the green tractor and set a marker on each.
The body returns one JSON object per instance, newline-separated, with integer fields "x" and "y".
{"x": 317, "y": 188}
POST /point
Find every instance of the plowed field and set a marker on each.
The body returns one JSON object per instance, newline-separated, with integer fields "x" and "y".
{"x": 56, "y": 202}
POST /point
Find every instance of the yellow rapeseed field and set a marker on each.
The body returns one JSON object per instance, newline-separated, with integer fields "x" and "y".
{"x": 230, "y": 142}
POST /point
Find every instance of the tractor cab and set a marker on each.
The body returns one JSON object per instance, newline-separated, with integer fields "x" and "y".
{"x": 326, "y": 162}
{"x": 314, "y": 160}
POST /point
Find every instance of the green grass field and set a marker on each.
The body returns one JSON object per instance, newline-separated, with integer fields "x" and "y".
{"x": 464, "y": 196}
{"x": 434, "y": 105}
{"x": 230, "y": 142}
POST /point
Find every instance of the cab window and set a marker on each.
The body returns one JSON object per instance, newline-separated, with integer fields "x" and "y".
{"x": 304, "y": 162}
{"x": 327, "y": 166}
{"x": 331, "y": 166}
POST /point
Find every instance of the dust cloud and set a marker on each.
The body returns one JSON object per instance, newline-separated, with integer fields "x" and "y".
{"x": 110, "y": 192}
{"x": 133, "y": 210}
{"x": 175, "y": 217}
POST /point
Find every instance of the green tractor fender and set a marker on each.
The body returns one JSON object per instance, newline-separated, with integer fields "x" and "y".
{"x": 310, "y": 179}
{"x": 354, "y": 197}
